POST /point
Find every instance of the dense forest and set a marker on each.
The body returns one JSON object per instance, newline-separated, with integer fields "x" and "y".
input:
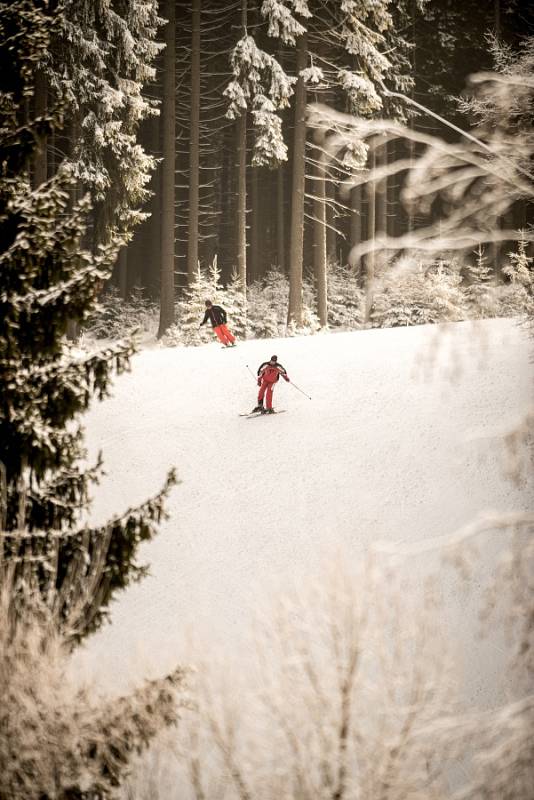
{"x": 308, "y": 165}
{"x": 189, "y": 129}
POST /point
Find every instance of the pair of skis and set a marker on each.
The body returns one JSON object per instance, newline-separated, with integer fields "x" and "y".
{"x": 252, "y": 414}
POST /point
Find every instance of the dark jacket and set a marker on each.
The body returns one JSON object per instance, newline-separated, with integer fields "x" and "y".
{"x": 273, "y": 372}
{"x": 216, "y": 315}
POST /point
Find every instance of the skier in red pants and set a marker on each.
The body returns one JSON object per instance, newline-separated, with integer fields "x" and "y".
{"x": 217, "y": 316}
{"x": 268, "y": 374}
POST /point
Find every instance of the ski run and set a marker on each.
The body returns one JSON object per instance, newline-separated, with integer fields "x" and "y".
{"x": 402, "y": 442}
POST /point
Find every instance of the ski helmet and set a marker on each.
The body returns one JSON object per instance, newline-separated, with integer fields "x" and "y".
{"x": 274, "y": 358}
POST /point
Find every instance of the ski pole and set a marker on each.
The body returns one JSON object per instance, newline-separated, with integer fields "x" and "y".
{"x": 300, "y": 390}
{"x": 253, "y": 376}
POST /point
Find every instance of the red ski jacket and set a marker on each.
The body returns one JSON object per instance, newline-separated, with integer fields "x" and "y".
{"x": 270, "y": 374}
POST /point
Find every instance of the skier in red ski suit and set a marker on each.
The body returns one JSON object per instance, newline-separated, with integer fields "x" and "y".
{"x": 268, "y": 374}
{"x": 217, "y": 316}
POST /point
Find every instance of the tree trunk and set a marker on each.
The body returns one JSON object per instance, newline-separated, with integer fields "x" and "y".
{"x": 319, "y": 236}
{"x": 280, "y": 219}
{"x": 40, "y": 173}
{"x": 355, "y": 223}
{"x": 242, "y": 197}
{"x": 392, "y": 194}
{"x": 331, "y": 235}
{"x": 194, "y": 148}
{"x": 151, "y": 267}
{"x": 255, "y": 237}
{"x": 371, "y": 228}
{"x": 166, "y": 318}
{"x": 297, "y": 191}
{"x": 123, "y": 272}
{"x": 381, "y": 194}
{"x": 242, "y": 179}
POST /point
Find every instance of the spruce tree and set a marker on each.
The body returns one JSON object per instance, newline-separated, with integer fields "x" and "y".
{"x": 481, "y": 293}
{"x": 48, "y": 278}
{"x": 101, "y": 58}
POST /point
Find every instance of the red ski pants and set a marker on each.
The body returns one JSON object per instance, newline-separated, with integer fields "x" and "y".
{"x": 267, "y": 389}
{"x": 224, "y": 335}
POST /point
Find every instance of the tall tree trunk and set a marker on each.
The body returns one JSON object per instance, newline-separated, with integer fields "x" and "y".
{"x": 123, "y": 272}
{"x": 297, "y": 190}
{"x": 40, "y": 173}
{"x": 255, "y": 237}
{"x": 194, "y": 148}
{"x": 319, "y": 236}
{"x": 242, "y": 179}
{"x": 355, "y": 222}
{"x": 166, "y": 318}
{"x": 371, "y": 228}
{"x": 331, "y": 235}
{"x": 280, "y": 219}
{"x": 151, "y": 267}
{"x": 242, "y": 197}
{"x": 381, "y": 193}
{"x": 392, "y": 194}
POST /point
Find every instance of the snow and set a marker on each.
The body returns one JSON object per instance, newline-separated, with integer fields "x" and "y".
{"x": 400, "y": 443}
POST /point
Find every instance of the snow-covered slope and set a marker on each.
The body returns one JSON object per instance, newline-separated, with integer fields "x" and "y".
{"x": 400, "y": 442}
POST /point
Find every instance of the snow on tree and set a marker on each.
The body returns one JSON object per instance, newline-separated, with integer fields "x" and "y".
{"x": 416, "y": 294}
{"x": 267, "y": 308}
{"x": 58, "y": 575}
{"x": 267, "y": 305}
{"x": 517, "y": 297}
{"x": 61, "y": 738}
{"x": 49, "y": 278}
{"x": 191, "y": 308}
{"x": 115, "y": 318}
{"x": 481, "y": 292}
{"x": 100, "y": 59}
{"x": 346, "y": 304}
{"x": 235, "y": 303}
{"x": 282, "y": 23}
{"x": 475, "y": 180}
{"x": 260, "y": 85}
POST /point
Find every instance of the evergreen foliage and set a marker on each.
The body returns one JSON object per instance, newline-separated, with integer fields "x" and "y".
{"x": 101, "y": 57}
{"x": 260, "y": 85}
{"x": 191, "y": 307}
{"x": 267, "y": 308}
{"x": 235, "y": 303}
{"x": 115, "y": 318}
{"x": 60, "y": 740}
{"x": 517, "y": 297}
{"x": 346, "y": 304}
{"x": 48, "y": 279}
{"x": 415, "y": 294}
{"x": 481, "y": 292}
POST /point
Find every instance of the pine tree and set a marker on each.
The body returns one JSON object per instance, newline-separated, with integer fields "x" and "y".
{"x": 481, "y": 293}
{"x": 100, "y": 59}
{"x": 346, "y": 307}
{"x": 116, "y": 318}
{"x": 235, "y": 303}
{"x": 48, "y": 278}
{"x": 57, "y": 578}
{"x": 192, "y": 306}
{"x": 517, "y": 298}
{"x": 418, "y": 294}
{"x": 167, "y": 259}
{"x": 267, "y": 306}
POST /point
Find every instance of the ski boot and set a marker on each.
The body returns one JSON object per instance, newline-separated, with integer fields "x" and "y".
{"x": 268, "y": 411}
{"x": 259, "y": 408}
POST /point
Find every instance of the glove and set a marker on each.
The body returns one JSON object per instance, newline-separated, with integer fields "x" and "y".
{"x": 259, "y": 381}
{"x": 286, "y": 378}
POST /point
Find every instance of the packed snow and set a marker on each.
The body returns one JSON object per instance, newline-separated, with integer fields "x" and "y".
{"x": 401, "y": 442}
